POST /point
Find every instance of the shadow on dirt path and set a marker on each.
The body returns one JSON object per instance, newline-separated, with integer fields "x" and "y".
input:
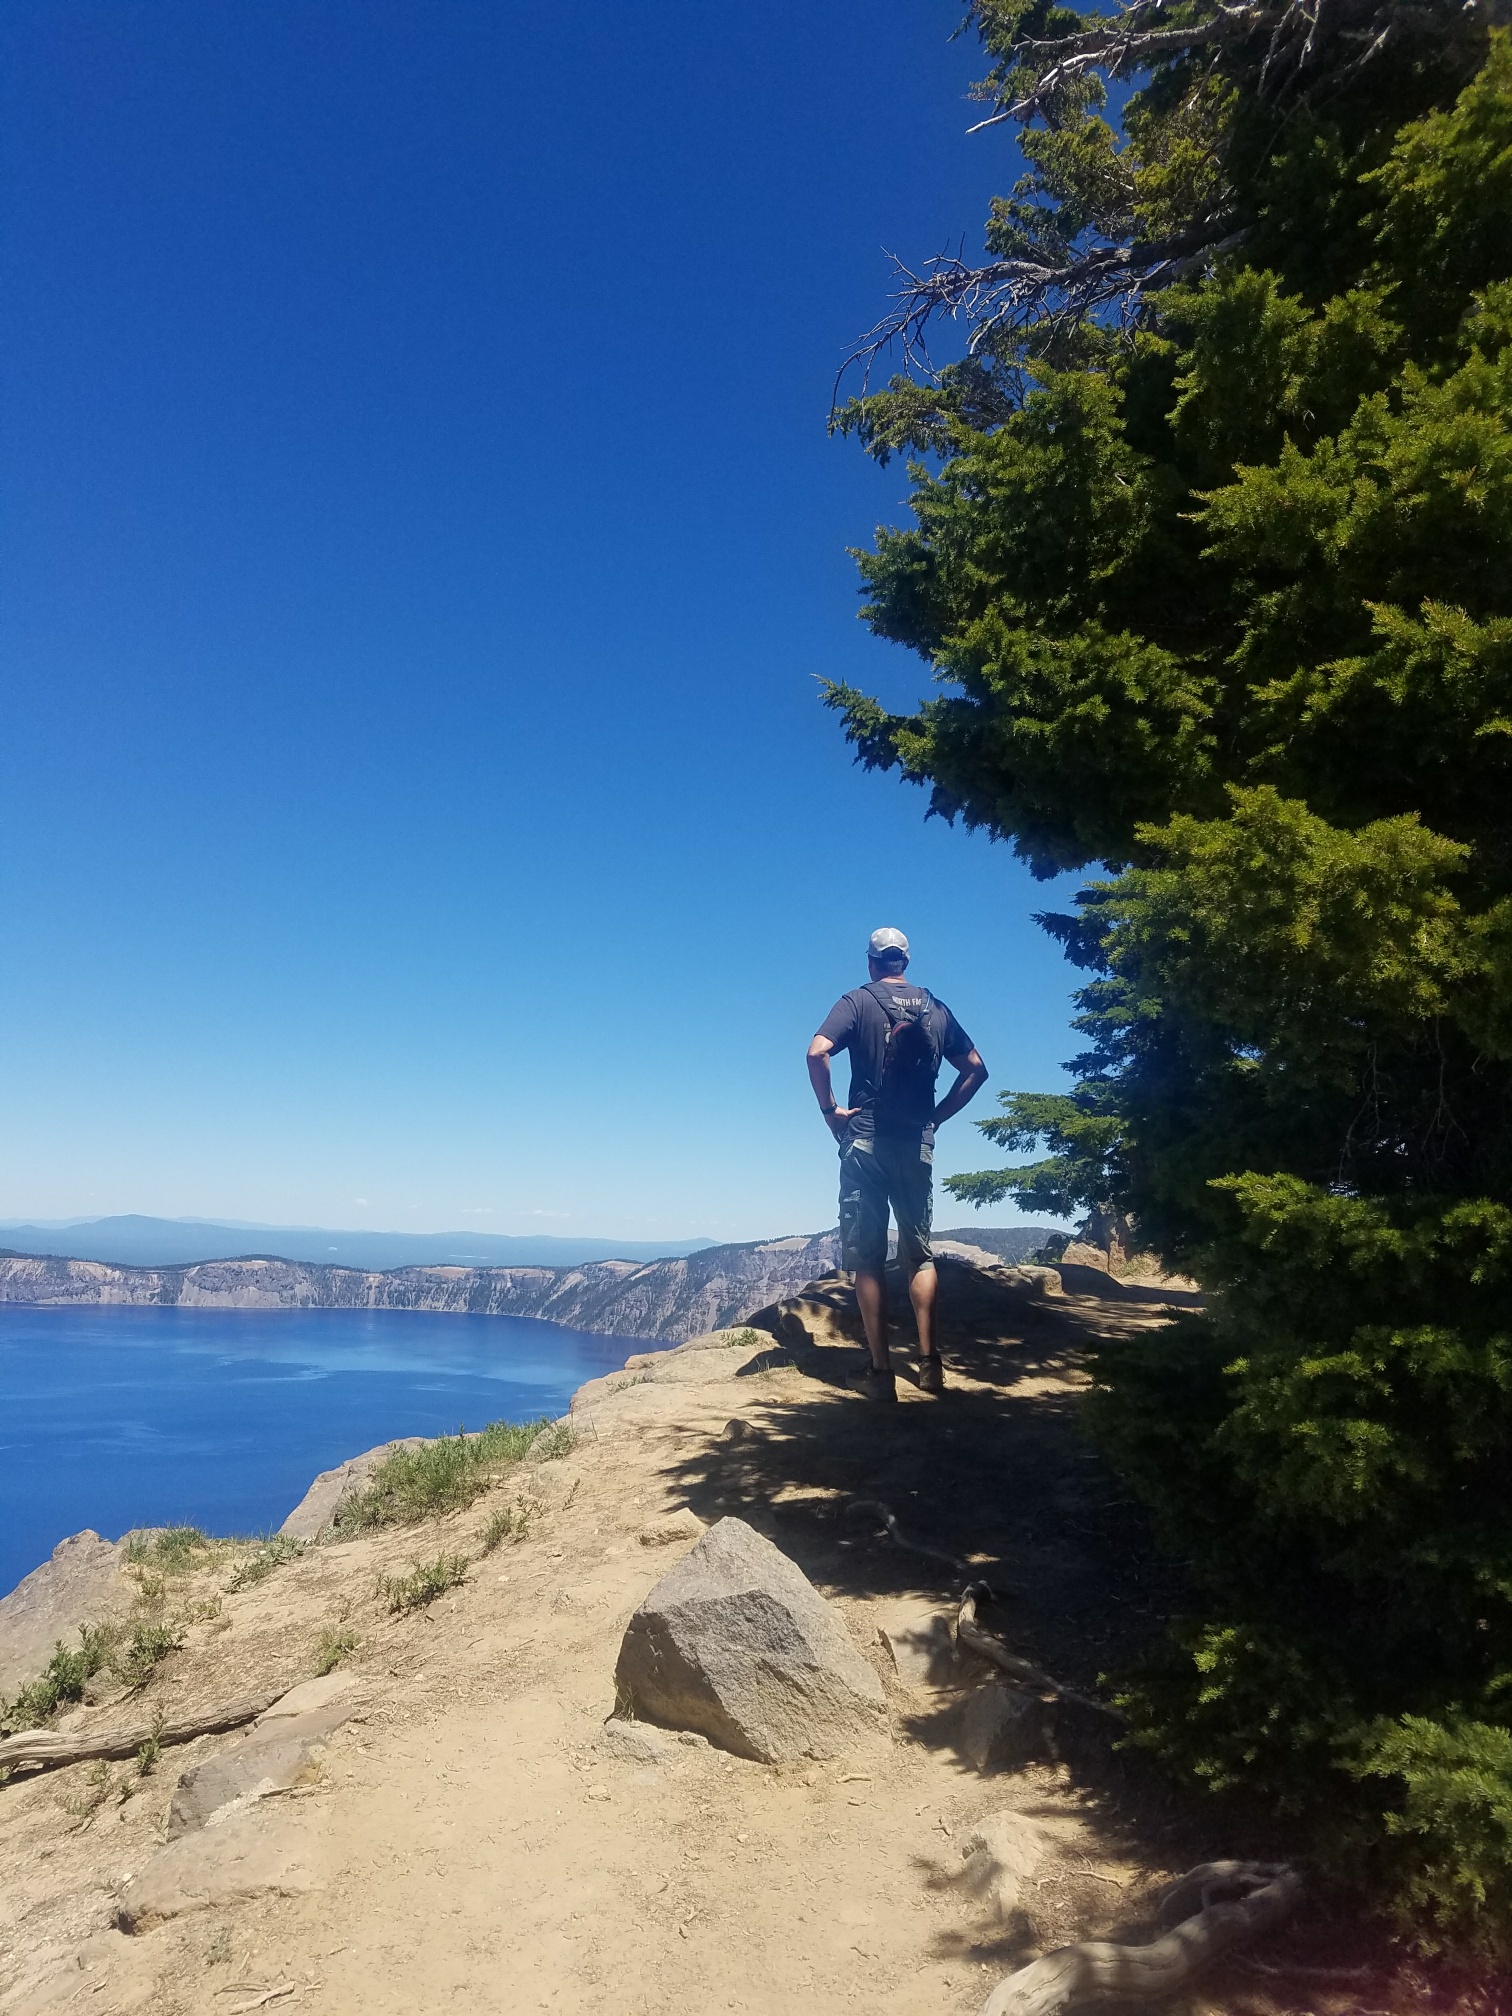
{"x": 995, "y": 1473}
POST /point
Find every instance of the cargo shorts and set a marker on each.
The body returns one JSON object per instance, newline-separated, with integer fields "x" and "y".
{"x": 878, "y": 1172}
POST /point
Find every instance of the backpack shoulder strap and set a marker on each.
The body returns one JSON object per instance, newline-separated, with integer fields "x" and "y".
{"x": 887, "y": 1002}
{"x": 879, "y": 994}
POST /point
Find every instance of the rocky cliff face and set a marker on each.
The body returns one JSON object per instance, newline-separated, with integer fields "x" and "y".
{"x": 663, "y": 1299}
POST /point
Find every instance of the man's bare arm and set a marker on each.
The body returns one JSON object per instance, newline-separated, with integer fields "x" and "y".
{"x": 835, "y": 1117}
{"x": 971, "y": 1076}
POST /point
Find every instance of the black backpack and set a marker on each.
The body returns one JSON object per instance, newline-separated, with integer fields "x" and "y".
{"x": 911, "y": 1058}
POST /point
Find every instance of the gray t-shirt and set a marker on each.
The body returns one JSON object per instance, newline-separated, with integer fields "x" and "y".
{"x": 858, "y": 1025}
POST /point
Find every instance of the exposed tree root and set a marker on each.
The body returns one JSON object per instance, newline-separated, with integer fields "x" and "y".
{"x": 1302, "y": 1970}
{"x": 1085, "y": 1976}
{"x": 883, "y": 1512}
{"x": 1020, "y": 1671}
{"x": 45, "y": 1749}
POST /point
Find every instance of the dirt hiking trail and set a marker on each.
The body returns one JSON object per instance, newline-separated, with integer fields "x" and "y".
{"x": 466, "y": 1834}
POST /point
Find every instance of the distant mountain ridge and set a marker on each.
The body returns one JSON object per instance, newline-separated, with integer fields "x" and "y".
{"x": 666, "y": 1300}
{"x": 133, "y": 1240}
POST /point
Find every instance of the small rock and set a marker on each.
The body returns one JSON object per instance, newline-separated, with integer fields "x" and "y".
{"x": 683, "y": 1524}
{"x": 736, "y": 1642}
{"x": 922, "y": 1647}
{"x": 308, "y": 1696}
{"x": 645, "y": 1743}
{"x": 1003, "y": 1729}
{"x": 1043, "y": 1283}
{"x": 1003, "y": 1852}
{"x": 637, "y": 1742}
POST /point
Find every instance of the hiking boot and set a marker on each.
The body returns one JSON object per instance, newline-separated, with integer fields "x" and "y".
{"x": 931, "y": 1374}
{"x": 874, "y": 1384}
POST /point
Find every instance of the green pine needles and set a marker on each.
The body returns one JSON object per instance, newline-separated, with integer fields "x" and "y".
{"x": 1212, "y": 562}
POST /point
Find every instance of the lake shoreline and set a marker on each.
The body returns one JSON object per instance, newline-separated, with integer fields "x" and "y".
{"x": 126, "y": 1416}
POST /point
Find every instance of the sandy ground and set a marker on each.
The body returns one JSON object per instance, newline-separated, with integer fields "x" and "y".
{"x": 467, "y": 1840}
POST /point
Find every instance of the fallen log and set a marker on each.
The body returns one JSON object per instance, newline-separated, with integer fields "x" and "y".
{"x": 1095, "y": 1972}
{"x": 46, "y": 1749}
{"x": 1021, "y": 1671}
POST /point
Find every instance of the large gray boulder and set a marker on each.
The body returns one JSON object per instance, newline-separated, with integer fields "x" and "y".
{"x": 737, "y": 1644}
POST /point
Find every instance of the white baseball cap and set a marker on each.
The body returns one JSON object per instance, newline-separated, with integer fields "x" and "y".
{"x": 884, "y": 941}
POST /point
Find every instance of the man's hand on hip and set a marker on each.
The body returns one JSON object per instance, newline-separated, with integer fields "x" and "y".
{"x": 838, "y": 1118}
{"x": 971, "y": 1076}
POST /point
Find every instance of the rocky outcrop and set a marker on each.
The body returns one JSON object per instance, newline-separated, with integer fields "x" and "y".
{"x": 315, "y": 1514}
{"x": 218, "y": 1851}
{"x": 737, "y": 1644}
{"x": 214, "y": 1867}
{"x": 83, "y": 1582}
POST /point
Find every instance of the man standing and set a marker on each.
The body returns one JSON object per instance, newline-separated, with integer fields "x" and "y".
{"x": 896, "y": 1034}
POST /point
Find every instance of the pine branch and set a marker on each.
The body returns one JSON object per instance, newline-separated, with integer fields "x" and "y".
{"x": 1325, "y": 40}
{"x": 1291, "y": 52}
{"x": 1009, "y": 294}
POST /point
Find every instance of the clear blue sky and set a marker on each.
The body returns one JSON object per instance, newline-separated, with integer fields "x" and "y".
{"x": 420, "y": 543}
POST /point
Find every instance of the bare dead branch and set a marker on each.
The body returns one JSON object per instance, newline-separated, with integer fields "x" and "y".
{"x": 1008, "y": 294}
{"x": 1294, "y": 52}
{"x": 1116, "y": 50}
{"x": 1301, "y": 36}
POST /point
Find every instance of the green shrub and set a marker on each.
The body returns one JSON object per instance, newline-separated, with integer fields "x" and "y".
{"x": 426, "y": 1581}
{"x": 332, "y": 1646}
{"x": 268, "y": 1555}
{"x": 61, "y": 1680}
{"x": 173, "y": 1551}
{"x": 511, "y": 1522}
{"x": 556, "y": 1439}
{"x": 137, "y": 1658}
{"x": 440, "y": 1476}
{"x": 1448, "y": 1852}
{"x": 1216, "y": 595}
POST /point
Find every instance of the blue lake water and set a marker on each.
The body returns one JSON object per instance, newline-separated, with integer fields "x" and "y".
{"x": 219, "y": 1418}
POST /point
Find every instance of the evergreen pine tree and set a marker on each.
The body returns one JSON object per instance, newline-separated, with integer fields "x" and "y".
{"x": 1212, "y": 562}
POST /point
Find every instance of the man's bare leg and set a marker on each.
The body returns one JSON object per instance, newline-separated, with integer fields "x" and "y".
{"x": 871, "y": 1295}
{"x": 923, "y": 1285}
